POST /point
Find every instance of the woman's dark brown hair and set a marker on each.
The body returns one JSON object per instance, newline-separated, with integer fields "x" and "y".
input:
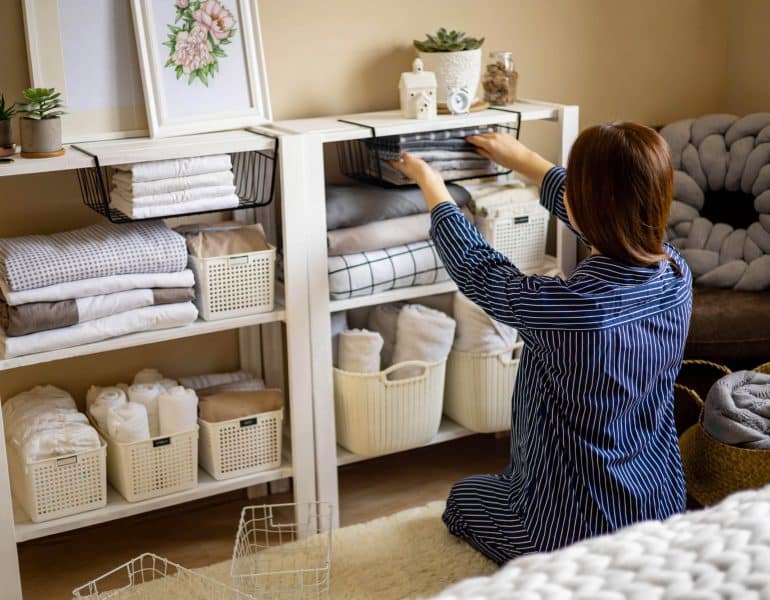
{"x": 619, "y": 188}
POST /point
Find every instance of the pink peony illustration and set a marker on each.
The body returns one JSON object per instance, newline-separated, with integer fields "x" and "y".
{"x": 193, "y": 50}
{"x": 182, "y": 3}
{"x": 215, "y": 19}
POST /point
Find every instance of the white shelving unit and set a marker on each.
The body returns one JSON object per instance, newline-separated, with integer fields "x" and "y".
{"x": 315, "y": 133}
{"x": 291, "y": 310}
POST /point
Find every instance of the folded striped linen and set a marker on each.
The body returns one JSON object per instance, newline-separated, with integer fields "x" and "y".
{"x": 176, "y": 197}
{"x": 41, "y": 316}
{"x": 450, "y": 170}
{"x": 122, "y": 181}
{"x": 391, "y": 146}
{"x": 101, "y": 250}
{"x": 176, "y": 167}
{"x": 98, "y": 286}
{"x": 150, "y": 318}
{"x": 367, "y": 273}
{"x": 129, "y": 209}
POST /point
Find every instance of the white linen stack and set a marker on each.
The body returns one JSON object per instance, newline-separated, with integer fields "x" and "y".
{"x": 173, "y": 187}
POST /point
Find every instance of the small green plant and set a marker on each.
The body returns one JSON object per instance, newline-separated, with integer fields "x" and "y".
{"x": 6, "y": 111}
{"x": 448, "y": 41}
{"x": 41, "y": 103}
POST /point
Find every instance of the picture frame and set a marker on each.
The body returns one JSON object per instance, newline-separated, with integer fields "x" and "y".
{"x": 202, "y": 65}
{"x": 99, "y": 106}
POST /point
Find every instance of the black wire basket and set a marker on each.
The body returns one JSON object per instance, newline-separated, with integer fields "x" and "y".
{"x": 366, "y": 159}
{"x": 254, "y": 174}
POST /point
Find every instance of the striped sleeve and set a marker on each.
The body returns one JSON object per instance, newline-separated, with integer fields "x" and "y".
{"x": 481, "y": 273}
{"x": 552, "y": 197}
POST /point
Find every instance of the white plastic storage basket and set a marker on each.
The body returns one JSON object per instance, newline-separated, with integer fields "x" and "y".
{"x": 58, "y": 487}
{"x": 519, "y": 231}
{"x": 234, "y": 286}
{"x": 479, "y": 388}
{"x": 155, "y": 467}
{"x": 375, "y": 415}
{"x": 240, "y": 446}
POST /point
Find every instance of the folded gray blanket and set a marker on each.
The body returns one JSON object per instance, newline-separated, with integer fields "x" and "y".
{"x": 36, "y": 261}
{"x": 737, "y": 410}
{"x": 352, "y": 205}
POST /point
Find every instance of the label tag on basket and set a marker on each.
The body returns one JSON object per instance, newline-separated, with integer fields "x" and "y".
{"x": 166, "y": 441}
{"x": 70, "y": 460}
{"x": 237, "y": 260}
{"x": 521, "y": 220}
{"x": 249, "y": 422}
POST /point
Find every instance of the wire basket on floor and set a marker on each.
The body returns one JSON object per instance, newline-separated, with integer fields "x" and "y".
{"x": 151, "y": 577}
{"x": 283, "y": 551}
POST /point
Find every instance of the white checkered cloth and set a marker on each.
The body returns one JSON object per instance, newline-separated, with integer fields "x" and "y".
{"x": 103, "y": 250}
{"x": 367, "y": 273}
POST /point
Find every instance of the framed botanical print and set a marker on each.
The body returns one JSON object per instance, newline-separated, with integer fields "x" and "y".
{"x": 87, "y": 51}
{"x": 202, "y": 65}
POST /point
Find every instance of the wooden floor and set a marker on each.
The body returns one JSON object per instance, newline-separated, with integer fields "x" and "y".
{"x": 202, "y": 533}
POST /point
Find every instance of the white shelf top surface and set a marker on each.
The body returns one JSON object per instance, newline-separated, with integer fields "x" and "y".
{"x": 390, "y": 122}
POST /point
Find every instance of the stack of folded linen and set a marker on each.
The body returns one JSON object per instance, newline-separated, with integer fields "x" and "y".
{"x": 91, "y": 284}
{"x": 173, "y": 187}
{"x": 379, "y": 239}
{"x": 446, "y": 151}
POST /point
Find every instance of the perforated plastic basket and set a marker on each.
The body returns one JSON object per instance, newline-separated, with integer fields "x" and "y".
{"x": 240, "y": 446}
{"x": 58, "y": 487}
{"x": 479, "y": 388}
{"x": 283, "y": 551}
{"x": 520, "y": 233}
{"x": 234, "y": 286}
{"x": 155, "y": 467}
{"x": 375, "y": 415}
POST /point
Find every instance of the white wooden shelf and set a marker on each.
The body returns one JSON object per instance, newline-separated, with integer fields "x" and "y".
{"x": 199, "y": 327}
{"x": 448, "y": 430}
{"x": 118, "y": 508}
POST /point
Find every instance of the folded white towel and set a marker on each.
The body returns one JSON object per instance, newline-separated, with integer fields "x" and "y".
{"x": 339, "y": 324}
{"x": 477, "y": 331}
{"x": 421, "y": 334}
{"x": 67, "y": 438}
{"x": 31, "y": 422}
{"x": 122, "y": 181}
{"x": 359, "y": 351}
{"x": 128, "y": 423}
{"x": 384, "y": 319}
{"x": 164, "y": 210}
{"x": 177, "y": 410}
{"x": 34, "y": 401}
{"x": 147, "y": 395}
{"x": 197, "y": 382}
{"x": 177, "y": 167}
{"x": 100, "y": 401}
{"x": 169, "y": 198}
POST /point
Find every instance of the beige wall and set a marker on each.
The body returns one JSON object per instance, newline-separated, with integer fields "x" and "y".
{"x": 748, "y": 50}
{"x": 651, "y": 61}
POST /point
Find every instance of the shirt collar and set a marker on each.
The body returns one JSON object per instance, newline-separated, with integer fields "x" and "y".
{"x": 609, "y": 269}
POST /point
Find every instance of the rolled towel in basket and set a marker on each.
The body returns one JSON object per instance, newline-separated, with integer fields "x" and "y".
{"x": 237, "y": 405}
{"x": 384, "y": 319}
{"x": 128, "y": 423}
{"x": 103, "y": 400}
{"x": 424, "y": 334}
{"x": 359, "y": 351}
{"x": 737, "y": 410}
{"x": 154, "y": 376}
{"x": 147, "y": 395}
{"x": 177, "y": 410}
{"x": 477, "y": 331}
{"x": 67, "y": 438}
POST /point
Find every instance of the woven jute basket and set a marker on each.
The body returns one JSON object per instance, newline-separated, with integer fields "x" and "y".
{"x": 700, "y": 375}
{"x": 714, "y": 470}
{"x": 687, "y": 408}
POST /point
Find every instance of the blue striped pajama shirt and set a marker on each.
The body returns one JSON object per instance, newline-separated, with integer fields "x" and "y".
{"x": 593, "y": 442}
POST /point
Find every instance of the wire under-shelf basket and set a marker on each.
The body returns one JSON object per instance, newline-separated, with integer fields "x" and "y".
{"x": 254, "y": 174}
{"x": 362, "y": 159}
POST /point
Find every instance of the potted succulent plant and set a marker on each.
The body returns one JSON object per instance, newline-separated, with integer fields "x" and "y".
{"x": 6, "y": 132}
{"x": 41, "y": 123}
{"x": 454, "y": 58}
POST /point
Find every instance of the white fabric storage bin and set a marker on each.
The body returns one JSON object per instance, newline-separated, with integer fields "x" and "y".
{"x": 479, "y": 389}
{"x": 519, "y": 231}
{"x": 240, "y": 446}
{"x": 155, "y": 467}
{"x": 59, "y": 487}
{"x": 234, "y": 286}
{"x": 375, "y": 415}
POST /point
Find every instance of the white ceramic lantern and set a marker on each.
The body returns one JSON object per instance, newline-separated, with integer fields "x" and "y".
{"x": 418, "y": 93}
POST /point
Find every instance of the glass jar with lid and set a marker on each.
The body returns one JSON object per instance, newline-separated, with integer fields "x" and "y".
{"x": 500, "y": 78}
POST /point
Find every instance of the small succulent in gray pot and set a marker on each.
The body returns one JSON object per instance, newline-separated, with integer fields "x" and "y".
{"x": 41, "y": 122}
{"x": 6, "y": 131}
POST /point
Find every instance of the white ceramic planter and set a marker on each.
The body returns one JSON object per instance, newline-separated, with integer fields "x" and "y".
{"x": 454, "y": 69}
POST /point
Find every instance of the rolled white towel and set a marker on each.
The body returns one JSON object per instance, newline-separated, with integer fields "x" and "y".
{"x": 147, "y": 394}
{"x": 383, "y": 319}
{"x": 148, "y": 376}
{"x": 104, "y": 400}
{"x": 127, "y": 424}
{"x": 424, "y": 334}
{"x": 68, "y": 438}
{"x": 177, "y": 410}
{"x": 477, "y": 331}
{"x": 359, "y": 351}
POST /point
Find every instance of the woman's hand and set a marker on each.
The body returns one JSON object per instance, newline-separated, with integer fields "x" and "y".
{"x": 430, "y": 181}
{"x": 506, "y": 150}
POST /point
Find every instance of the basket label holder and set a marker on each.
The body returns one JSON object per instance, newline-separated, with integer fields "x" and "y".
{"x": 67, "y": 461}
{"x": 158, "y": 442}
{"x": 248, "y": 422}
